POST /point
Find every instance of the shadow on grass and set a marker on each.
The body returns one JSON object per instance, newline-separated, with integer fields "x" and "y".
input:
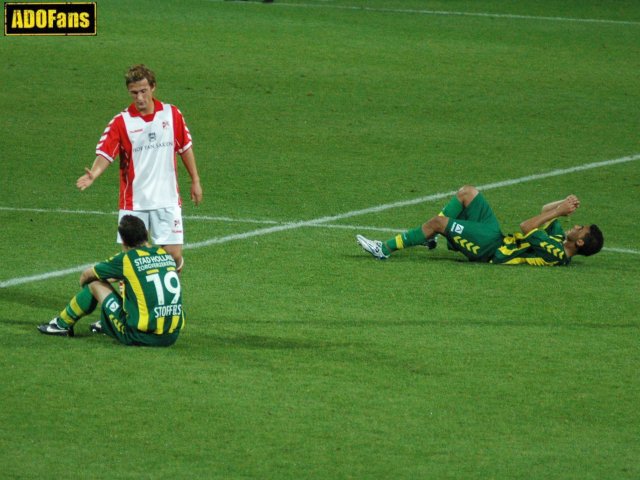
{"x": 453, "y": 323}
{"x": 413, "y": 257}
{"x": 29, "y": 326}
{"x": 452, "y": 258}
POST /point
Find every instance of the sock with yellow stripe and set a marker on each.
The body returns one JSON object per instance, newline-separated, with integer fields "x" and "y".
{"x": 410, "y": 238}
{"x": 79, "y": 306}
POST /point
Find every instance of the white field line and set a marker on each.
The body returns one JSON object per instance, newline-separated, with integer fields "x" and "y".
{"x": 405, "y": 203}
{"x": 325, "y": 221}
{"x": 57, "y": 210}
{"x": 621, "y": 250}
{"x": 44, "y": 276}
{"x": 451, "y": 13}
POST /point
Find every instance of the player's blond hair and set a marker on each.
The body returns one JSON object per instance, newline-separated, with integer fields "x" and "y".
{"x": 139, "y": 72}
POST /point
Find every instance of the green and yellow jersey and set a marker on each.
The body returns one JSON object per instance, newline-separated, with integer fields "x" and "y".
{"x": 152, "y": 297}
{"x": 542, "y": 246}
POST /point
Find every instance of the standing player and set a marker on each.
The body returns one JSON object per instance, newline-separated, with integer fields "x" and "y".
{"x": 146, "y": 137}
{"x": 150, "y": 310}
{"x": 471, "y": 228}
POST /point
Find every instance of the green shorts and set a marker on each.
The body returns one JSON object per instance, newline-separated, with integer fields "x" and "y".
{"x": 113, "y": 319}
{"x": 475, "y": 232}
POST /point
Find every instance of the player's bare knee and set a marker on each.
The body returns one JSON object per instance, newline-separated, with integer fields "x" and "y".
{"x": 466, "y": 194}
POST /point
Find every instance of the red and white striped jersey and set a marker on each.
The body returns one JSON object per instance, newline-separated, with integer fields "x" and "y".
{"x": 147, "y": 147}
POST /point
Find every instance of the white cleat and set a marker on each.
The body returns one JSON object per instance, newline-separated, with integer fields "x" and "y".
{"x": 374, "y": 247}
{"x": 52, "y": 328}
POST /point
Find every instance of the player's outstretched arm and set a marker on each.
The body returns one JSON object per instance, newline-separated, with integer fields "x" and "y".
{"x": 560, "y": 208}
{"x": 189, "y": 160}
{"x": 100, "y": 164}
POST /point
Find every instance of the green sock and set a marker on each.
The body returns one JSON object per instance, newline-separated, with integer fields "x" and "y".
{"x": 79, "y": 306}
{"x": 452, "y": 209}
{"x": 410, "y": 238}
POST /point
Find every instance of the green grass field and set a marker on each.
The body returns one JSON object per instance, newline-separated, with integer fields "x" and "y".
{"x": 303, "y": 357}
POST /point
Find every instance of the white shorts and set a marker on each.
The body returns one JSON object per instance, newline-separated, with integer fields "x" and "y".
{"x": 164, "y": 224}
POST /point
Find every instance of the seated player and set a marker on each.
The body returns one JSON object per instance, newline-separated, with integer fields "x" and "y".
{"x": 471, "y": 228}
{"x": 150, "y": 310}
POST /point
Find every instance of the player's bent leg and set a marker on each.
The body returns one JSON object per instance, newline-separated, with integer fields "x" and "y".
{"x": 113, "y": 319}
{"x": 100, "y": 290}
{"x": 81, "y": 305}
{"x": 110, "y": 309}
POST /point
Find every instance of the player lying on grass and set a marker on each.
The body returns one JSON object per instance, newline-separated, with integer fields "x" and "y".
{"x": 471, "y": 228}
{"x": 150, "y": 310}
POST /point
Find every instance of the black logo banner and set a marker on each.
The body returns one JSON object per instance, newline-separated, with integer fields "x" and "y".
{"x": 69, "y": 18}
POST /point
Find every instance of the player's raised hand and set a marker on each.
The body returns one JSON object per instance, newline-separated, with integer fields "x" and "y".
{"x": 574, "y": 200}
{"x": 569, "y": 205}
{"x": 100, "y": 164}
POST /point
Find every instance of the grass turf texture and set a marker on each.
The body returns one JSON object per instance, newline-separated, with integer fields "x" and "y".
{"x": 303, "y": 357}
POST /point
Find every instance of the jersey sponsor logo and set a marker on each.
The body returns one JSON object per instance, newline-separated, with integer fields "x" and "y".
{"x": 153, "y": 262}
{"x": 153, "y": 146}
{"x": 112, "y": 305}
{"x": 70, "y": 18}
{"x": 152, "y": 136}
{"x": 457, "y": 228}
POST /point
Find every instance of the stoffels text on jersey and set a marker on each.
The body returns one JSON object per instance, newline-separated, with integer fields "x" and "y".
{"x": 167, "y": 311}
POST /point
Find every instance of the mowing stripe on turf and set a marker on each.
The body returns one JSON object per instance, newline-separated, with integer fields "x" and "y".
{"x": 508, "y": 16}
{"x": 324, "y": 221}
{"x": 115, "y": 214}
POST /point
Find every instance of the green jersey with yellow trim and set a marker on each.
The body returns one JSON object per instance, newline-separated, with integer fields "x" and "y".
{"x": 152, "y": 296}
{"x": 542, "y": 246}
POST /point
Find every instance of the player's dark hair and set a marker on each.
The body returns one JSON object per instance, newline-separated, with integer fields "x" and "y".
{"x": 593, "y": 242}
{"x": 132, "y": 231}
{"x": 139, "y": 72}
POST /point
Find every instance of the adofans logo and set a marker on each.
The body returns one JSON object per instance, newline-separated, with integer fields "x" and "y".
{"x": 71, "y": 18}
